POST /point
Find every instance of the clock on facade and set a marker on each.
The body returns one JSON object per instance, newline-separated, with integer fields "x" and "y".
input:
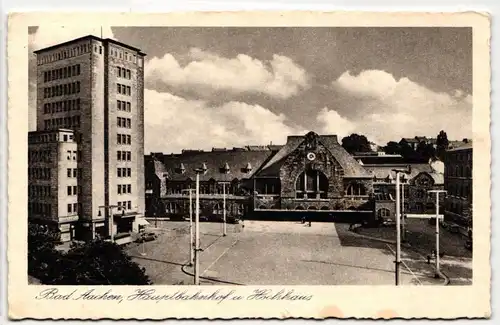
{"x": 311, "y": 156}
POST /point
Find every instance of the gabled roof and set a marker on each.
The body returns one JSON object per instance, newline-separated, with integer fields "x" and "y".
{"x": 351, "y": 167}
{"x": 215, "y": 161}
{"x": 383, "y": 171}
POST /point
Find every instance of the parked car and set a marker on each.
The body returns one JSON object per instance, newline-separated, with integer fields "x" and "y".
{"x": 145, "y": 237}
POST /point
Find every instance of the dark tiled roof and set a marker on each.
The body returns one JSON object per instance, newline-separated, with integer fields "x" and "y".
{"x": 215, "y": 161}
{"x": 464, "y": 146}
{"x": 383, "y": 171}
{"x": 351, "y": 167}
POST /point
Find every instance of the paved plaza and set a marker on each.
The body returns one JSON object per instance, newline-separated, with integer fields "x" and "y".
{"x": 277, "y": 253}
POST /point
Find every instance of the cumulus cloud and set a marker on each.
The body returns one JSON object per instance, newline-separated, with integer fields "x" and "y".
{"x": 331, "y": 122}
{"x": 48, "y": 35}
{"x": 173, "y": 123}
{"x": 402, "y": 108}
{"x": 280, "y": 77}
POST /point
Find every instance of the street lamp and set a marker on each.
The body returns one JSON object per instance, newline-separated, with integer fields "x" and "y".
{"x": 110, "y": 218}
{"x": 398, "y": 221}
{"x": 191, "y": 254}
{"x": 198, "y": 171}
{"x": 437, "y": 226}
{"x": 224, "y": 227}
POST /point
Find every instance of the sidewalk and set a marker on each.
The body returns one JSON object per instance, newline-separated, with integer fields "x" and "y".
{"x": 456, "y": 262}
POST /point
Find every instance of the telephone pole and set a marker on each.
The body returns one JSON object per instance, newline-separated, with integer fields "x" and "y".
{"x": 197, "y": 226}
{"x": 191, "y": 241}
{"x": 398, "y": 223}
{"x": 437, "y": 226}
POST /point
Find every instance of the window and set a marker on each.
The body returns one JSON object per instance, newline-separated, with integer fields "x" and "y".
{"x": 69, "y": 190}
{"x": 129, "y": 188}
{"x": 119, "y": 189}
{"x": 68, "y": 154}
{"x": 119, "y": 138}
{"x": 383, "y": 213}
{"x": 128, "y": 107}
{"x": 119, "y": 121}
{"x": 118, "y": 155}
{"x": 129, "y": 139}
{"x": 128, "y": 90}
{"x": 129, "y": 172}
{"x": 129, "y": 205}
{"x": 70, "y": 208}
{"x": 119, "y": 88}
{"x": 75, "y": 172}
{"x": 119, "y": 71}
{"x": 119, "y": 172}
{"x": 100, "y": 49}
{"x": 75, "y": 192}
{"x": 129, "y": 123}
{"x": 128, "y": 74}
{"x": 129, "y": 156}
{"x": 69, "y": 172}
{"x": 119, "y": 105}
{"x": 356, "y": 190}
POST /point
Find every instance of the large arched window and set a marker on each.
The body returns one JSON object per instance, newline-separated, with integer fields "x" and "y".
{"x": 355, "y": 189}
{"x": 311, "y": 184}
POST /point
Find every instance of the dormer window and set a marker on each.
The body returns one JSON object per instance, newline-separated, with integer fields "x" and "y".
{"x": 182, "y": 169}
{"x": 226, "y": 169}
{"x": 204, "y": 167}
{"x": 248, "y": 168}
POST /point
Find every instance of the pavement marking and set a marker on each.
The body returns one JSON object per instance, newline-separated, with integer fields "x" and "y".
{"x": 411, "y": 272}
{"x": 220, "y": 256}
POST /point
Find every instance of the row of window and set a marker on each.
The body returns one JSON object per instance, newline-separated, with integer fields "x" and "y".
{"x": 74, "y": 172}
{"x": 460, "y": 156}
{"x": 123, "y": 73}
{"x": 459, "y": 171}
{"x": 463, "y": 191}
{"x": 123, "y": 155}
{"x": 62, "y": 106}
{"x": 74, "y": 190}
{"x": 124, "y": 189}
{"x": 125, "y": 205}
{"x": 39, "y": 173}
{"x": 123, "y": 106}
{"x": 74, "y": 208}
{"x": 39, "y": 208}
{"x": 218, "y": 208}
{"x": 66, "y": 53}
{"x": 62, "y": 122}
{"x": 60, "y": 90}
{"x": 61, "y": 73}
{"x": 41, "y": 138}
{"x": 39, "y": 156}
{"x": 124, "y": 172}
{"x": 123, "y": 122}
{"x": 73, "y": 155}
{"x": 39, "y": 191}
{"x": 123, "y": 89}
{"x": 123, "y": 55}
{"x": 123, "y": 139}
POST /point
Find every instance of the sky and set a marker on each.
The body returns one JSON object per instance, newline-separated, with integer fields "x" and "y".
{"x": 229, "y": 87}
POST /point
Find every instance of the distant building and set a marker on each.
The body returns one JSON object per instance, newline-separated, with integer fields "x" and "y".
{"x": 92, "y": 91}
{"x": 414, "y": 142}
{"x": 458, "y": 184}
{"x": 311, "y": 172}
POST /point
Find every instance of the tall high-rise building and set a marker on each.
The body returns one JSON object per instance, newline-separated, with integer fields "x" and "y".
{"x": 93, "y": 87}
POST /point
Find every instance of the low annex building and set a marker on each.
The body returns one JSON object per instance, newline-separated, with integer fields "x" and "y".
{"x": 310, "y": 172}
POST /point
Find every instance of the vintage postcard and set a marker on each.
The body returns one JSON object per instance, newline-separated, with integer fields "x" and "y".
{"x": 249, "y": 164}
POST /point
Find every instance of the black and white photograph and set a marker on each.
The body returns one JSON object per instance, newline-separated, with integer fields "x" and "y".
{"x": 250, "y": 156}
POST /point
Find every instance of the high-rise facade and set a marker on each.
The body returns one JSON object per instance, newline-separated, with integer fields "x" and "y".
{"x": 95, "y": 87}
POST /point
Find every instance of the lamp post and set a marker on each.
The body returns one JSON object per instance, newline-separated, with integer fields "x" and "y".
{"x": 398, "y": 223}
{"x": 437, "y": 226}
{"x": 224, "y": 227}
{"x": 198, "y": 171}
{"x": 403, "y": 228}
{"x": 191, "y": 246}
{"x": 109, "y": 208}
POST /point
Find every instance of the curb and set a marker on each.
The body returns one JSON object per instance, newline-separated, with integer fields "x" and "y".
{"x": 183, "y": 269}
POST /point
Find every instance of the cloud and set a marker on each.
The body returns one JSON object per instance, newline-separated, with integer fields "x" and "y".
{"x": 48, "y": 35}
{"x": 280, "y": 77}
{"x": 173, "y": 123}
{"x": 330, "y": 122}
{"x": 392, "y": 109}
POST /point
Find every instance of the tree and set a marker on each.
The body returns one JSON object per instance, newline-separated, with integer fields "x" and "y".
{"x": 392, "y": 148}
{"x": 441, "y": 145}
{"x": 93, "y": 263}
{"x": 356, "y": 143}
{"x": 425, "y": 151}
